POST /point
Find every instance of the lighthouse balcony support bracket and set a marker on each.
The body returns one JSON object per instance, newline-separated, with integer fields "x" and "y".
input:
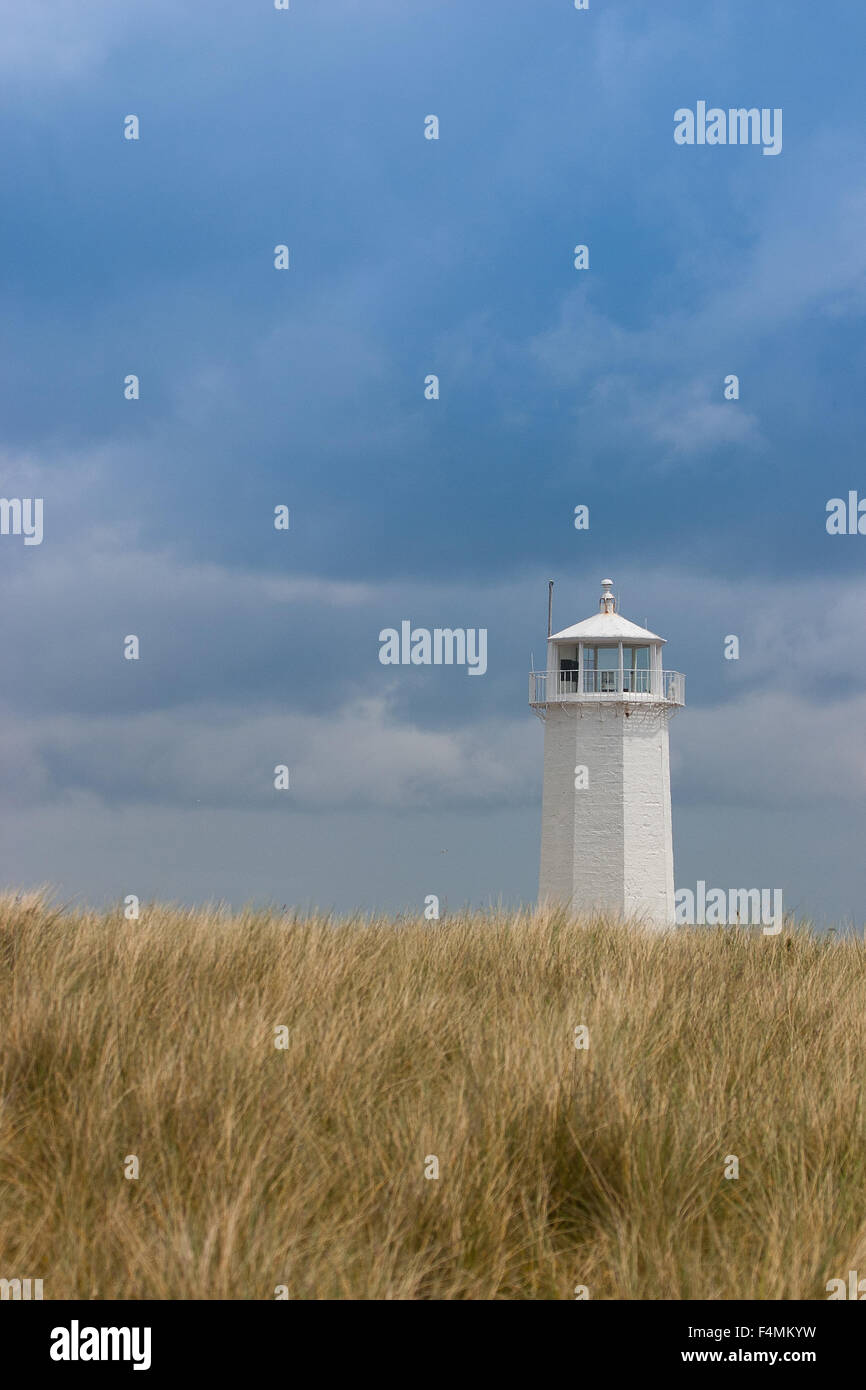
{"x": 594, "y": 687}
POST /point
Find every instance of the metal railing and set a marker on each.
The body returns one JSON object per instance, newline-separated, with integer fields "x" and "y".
{"x": 634, "y": 682}
{"x": 669, "y": 687}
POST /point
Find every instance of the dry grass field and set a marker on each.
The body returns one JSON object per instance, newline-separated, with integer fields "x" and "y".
{"x": 304, "y": 1166}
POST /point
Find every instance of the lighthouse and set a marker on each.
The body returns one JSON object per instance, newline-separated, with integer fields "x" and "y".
{"x": 606, "y": 702}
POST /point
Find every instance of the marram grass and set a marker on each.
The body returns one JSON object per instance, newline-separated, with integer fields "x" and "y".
{"x": 304, "y": 1166}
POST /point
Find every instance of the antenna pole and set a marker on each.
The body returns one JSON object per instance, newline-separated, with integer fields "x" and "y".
{"x": 549, "y": 607}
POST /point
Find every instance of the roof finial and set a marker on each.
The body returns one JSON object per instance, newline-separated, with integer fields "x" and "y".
{"x": 608, "y": 602}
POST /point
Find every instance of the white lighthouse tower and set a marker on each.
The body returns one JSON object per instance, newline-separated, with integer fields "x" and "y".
{"x": 606, "y": 702}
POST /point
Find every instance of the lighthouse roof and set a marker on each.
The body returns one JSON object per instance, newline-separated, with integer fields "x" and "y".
{"x": 608, "y": 625}
{"x": 604, "y": 625}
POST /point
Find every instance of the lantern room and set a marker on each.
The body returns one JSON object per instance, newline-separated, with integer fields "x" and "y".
{"x": 605, "y": 657}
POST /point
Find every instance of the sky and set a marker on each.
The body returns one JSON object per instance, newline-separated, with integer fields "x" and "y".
{"x": 558, "y": 387}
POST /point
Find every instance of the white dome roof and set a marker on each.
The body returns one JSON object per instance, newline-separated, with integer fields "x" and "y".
{"x": 610, "y": 626}
{"x": 606, "y": 626}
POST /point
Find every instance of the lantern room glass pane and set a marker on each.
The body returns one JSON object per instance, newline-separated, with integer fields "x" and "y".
{"x": 606, "y": 658}
{"x": 636, "y": 658}
{"x": 636, "y": 670}
{"x": 568, "y": 669}
{"x": 600, "y": 669}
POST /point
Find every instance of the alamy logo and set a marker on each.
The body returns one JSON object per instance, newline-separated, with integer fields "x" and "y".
{"x": 846, "y": 519}
{"x": 856, "y": 1287}
{"x": 736, "y": 126}
{"x": 716, "y": 908}
{"x": 444, "y": 646}
{"x": 101, "y": 1344}
{"x": 22, "y": 1289}
{"x": 22, "y": 516}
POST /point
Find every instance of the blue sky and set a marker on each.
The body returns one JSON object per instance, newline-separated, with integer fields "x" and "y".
{"x": 558, "y": 387}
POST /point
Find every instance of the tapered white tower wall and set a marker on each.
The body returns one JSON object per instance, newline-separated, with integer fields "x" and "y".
{"x": 606, "y": 837}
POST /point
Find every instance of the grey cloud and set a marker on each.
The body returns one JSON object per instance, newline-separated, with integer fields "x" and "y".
{"x": 359, "y": 756}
